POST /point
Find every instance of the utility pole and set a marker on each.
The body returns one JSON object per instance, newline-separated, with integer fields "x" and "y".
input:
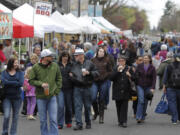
{"x": 79, "y": 8}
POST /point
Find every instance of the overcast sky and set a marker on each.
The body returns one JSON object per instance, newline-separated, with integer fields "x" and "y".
{"x": 154, "y": 9}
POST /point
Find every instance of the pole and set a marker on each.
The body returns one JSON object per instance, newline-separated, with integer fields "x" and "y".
{"x": 94, "y": 8}
{"x": 19, "y": 50}
{"x": 79, "y": 8}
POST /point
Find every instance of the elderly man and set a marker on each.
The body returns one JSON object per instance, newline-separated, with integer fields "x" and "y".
{"x": 82, "y": 74}
{"x": 54, "y": 49}
{"x": 46, "y": 77}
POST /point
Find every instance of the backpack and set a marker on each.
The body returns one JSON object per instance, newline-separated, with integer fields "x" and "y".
{"x": 175, "y": 76}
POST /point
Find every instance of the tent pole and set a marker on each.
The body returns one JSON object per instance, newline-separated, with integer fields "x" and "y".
{"x": 19, "y": 50}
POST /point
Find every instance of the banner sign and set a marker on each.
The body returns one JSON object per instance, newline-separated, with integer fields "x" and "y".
{"x": 74, "y": 7}
{"x": 43, "y": 8}
{"x": 6, "y": 26}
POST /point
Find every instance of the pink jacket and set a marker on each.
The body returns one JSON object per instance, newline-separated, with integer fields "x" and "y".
{"x": 30, "y": 91}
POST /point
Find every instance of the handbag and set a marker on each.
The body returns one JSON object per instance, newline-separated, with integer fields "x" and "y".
{"x": 162, "y": 107}
{"x": 133, "y": 86}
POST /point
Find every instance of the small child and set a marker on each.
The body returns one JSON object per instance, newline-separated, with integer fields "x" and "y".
{"x": 30, "y": 95}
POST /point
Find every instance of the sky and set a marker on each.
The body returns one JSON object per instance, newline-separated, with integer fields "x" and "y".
{"x": 154, "y": 9}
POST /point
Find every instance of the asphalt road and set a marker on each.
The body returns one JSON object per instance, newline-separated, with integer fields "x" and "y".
{"x": 155, "y": 124}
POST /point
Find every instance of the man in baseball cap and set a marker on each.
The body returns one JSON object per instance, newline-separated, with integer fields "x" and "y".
{"x": 46, "y": 77}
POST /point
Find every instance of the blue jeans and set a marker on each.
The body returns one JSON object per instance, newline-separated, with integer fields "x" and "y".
{"x": 64, "y": 100}
{"x": 48, "y": 106}
{"x": 82, "y": 96}
{"x": 15, "y": 104}
{"x": 172, "y": 95}
{"x": 142, "y": 103}
{"x": 102, "y": 88}
{"x": 108, "y": 92}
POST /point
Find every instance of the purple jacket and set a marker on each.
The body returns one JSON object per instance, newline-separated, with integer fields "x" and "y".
{"x": 146, "y": 79}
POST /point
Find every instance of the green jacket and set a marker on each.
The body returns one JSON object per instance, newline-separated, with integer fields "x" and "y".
{"x": 41, "y": 74}
{"x": 161, "y": 69}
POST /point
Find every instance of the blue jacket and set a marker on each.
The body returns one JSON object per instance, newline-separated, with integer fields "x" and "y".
{"x": 12, "y": 84}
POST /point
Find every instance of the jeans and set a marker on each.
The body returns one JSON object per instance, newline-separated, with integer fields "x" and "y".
{"x": 108, "y": 92}
{"x": 31, "y": 104}
{"x": 142, "y": 103}
{"x": 102, "y": 88}
{"x": 64, "y": 100}
{"x": 15, "y": 104}
{"x": 82, "y": 96}
{"x": 172, "y": 96}
{"x": 48, "y": 106}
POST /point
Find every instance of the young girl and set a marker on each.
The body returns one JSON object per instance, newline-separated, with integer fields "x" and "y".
{"x": 30, "y": 94}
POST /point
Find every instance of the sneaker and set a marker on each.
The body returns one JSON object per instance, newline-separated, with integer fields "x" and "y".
{"x": 69, "y": 125}
{"x": 78, "y": 127}
{"x": 174, "y": 123}
{"x": 88, "y": 126}
{"x": 32, "y": 117}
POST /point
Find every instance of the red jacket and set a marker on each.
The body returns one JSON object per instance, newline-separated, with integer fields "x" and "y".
{"x": 2, "y": 56}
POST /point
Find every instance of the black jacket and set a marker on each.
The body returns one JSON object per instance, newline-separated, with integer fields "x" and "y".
{"x": 121, "y": 85}
{"x": 66, "y": 81}
{"x": 83, "y": 81}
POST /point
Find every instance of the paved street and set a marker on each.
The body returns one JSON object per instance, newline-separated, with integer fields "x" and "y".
{"x": 155, "y": 124}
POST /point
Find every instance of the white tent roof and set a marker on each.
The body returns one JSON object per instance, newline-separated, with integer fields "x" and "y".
{"x": 25, "y": 14}
{"x": 68, "y": 27}
{"x": 84, "y": 23}
{"x": 107, "y": 24}
{"x": 46, "y": 25}
{"x": 88, "y": 25}
{"x": 74, "y": 21}
{"x": 42, "y": 24}
{"x": 5, "y": 9}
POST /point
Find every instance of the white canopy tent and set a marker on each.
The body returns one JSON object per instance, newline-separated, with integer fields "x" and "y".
{"x": 69, "y": 28}
{"x": 107, "y": 24}
{"x": 88, "y": 25}
{"x": 42, "y": 24}
{"x": 25, "y": 14}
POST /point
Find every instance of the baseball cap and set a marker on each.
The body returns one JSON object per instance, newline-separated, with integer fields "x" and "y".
{"x": 79, "y": 51}
{"x": 46, "y": 53}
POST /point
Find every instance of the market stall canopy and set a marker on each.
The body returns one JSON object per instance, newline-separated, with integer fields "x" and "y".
{"x": 24, "y": 14}
{"x": 106, "y": 24}
{"x": 74, "y": 21}
{"x": 20, "y": 30}
{"x": 69, "y": 28}
{"x": 44, "y": 24}
{"x": 88, "y": 25}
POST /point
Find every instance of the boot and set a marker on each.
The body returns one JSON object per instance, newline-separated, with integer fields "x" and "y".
{"x": 101, "y": 112}
{"x": 96, "y": 110}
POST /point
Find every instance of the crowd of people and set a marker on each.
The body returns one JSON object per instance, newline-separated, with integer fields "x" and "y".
{"x": 60, "y": 80}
